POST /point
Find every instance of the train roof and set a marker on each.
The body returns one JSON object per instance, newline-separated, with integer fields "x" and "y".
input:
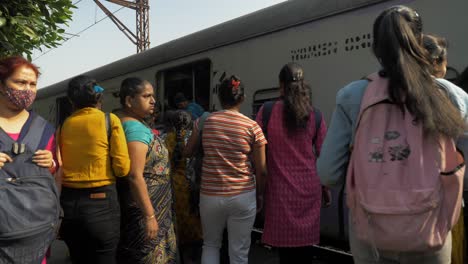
{"x": 275, "y": 18}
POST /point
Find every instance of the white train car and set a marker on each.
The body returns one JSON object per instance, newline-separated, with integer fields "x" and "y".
{"x": 331, "y": 39}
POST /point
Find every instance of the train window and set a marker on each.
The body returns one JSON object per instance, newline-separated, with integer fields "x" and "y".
{"x": 64, "y": 109}
{"x": 262, "y": 96}
{"x": 193, "y": 80}
{"x": 452, "y": 74}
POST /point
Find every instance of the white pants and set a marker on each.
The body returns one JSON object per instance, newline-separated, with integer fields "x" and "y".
{"x": 238, "y": 214}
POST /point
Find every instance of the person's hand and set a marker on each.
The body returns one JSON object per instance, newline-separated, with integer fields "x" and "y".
{"x": 326, "y": 197}
{"x": 259, "y": 203}
{"x": 151, "y": 227}
{"x": 4, "y": 158}
{"x": 43, "y": 158}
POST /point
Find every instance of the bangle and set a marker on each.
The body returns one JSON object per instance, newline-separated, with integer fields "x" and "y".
{"x": 53, "y": 164}
{"x": 151, "y": 216}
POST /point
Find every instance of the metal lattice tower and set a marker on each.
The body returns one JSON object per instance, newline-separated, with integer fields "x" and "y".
{"x": 142, "y": 25}
{"x": 141, "y": 7}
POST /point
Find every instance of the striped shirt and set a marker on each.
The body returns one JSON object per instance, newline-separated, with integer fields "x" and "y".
{"x": 228, "y": 138}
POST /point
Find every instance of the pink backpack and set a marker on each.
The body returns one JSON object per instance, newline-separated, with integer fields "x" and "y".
{"x": 404, "y": 189}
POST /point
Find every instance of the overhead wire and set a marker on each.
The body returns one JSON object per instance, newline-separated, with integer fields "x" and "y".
{"x": 77, "y": 34}
{"x": 77, "y": 2}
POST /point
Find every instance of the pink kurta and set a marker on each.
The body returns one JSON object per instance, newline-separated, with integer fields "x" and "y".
{"x": 293, "y": 190}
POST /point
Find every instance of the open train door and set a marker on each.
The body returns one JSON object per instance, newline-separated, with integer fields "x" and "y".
{"x": 259, "y": 98}
{"x": 192, "y": 79}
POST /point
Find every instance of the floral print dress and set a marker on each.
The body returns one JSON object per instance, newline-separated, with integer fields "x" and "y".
{"x": 134, "y": 247}
{"x": 188, "y": 222}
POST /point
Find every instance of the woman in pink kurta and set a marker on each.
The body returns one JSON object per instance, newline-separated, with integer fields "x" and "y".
{"x": 292, "y": 198}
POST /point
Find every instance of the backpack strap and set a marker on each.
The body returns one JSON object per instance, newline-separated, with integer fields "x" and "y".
{"x": 49, "y": 130}
{"x": 36, "y": 132}
{"x": 373, "y": 95}
{"x": 318, "y": 123}
{"x": 266, "y": 113}
{"x": 109, "y": 131}
{"x": 108, "y": 127}
{"x": 6, "y": 141}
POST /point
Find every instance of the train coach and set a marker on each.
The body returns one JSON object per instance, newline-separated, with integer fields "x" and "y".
{"x": 331, "y": 39}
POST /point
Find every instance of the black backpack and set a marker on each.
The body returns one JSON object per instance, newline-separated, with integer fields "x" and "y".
{"x": 30, "y": 206}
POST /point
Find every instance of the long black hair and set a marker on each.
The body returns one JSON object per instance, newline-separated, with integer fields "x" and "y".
{"x": 297, "y": 106}
{"x": 398, "y": 46}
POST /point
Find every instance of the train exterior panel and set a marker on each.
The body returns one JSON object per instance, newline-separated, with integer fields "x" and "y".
{"x": 330, "y": 39}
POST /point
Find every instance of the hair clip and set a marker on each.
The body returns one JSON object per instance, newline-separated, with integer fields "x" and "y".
{"x": 235, "y": 85}
{"x": 98, "y": 89}
{"x": 297, "y": 76}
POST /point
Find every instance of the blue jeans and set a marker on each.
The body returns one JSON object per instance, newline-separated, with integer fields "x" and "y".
{"x": 238, "y": 214}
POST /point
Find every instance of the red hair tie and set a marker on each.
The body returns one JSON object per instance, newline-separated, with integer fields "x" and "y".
{"x": 235, "y": 85}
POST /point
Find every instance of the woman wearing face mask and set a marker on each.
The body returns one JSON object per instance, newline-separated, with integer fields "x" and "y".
{"x": 18, "y": 80}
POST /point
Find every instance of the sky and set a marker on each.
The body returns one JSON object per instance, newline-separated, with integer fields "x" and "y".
{"x": 104, "y": 43}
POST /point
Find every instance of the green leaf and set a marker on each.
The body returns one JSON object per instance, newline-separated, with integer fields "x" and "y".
{"x": 29, "y": 32}
{"x": 26, "y": 25}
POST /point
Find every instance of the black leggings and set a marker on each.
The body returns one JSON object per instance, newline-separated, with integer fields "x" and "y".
{"x": 91, "y": 224}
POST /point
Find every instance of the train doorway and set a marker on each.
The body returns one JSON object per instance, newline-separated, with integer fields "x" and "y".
{"x": 193, "y": 80}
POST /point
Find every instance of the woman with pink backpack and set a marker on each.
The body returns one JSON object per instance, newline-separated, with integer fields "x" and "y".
{"x": 393, "y": 136}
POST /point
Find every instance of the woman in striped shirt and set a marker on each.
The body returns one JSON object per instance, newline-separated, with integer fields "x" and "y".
{"x": 229, "y": 188}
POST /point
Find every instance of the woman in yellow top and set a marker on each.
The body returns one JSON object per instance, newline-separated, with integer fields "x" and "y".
{"x": 91, "y": 162}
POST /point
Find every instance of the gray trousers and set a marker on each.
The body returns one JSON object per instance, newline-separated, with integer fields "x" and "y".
{"x": 238, "y": 214}
{"x": 363, "y": 253}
